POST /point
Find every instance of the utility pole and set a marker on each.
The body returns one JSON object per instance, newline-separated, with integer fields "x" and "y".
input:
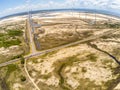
{"x": 30, "y": 29}
{"x": 85, "y": 16}
{"x": 79, "y": 14}
{"x": 95, "y": 15}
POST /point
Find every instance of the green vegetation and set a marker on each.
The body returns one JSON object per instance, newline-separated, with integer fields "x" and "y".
{"x": 50, "y": 41}
{"x": 23, "y": 78}
{"x": 46, "y": 76}
{"x": 48, "y": 54}
{"x": 86, "y": 84}
{"x": 107, "y": 25}
{"x": 18, "y": 56}
{"x": 11, "y": 68}
{"x": 22, "y": 60}
{"x": 84, "y": 70}
{"x": 11, "y": 74}
{"x": 60, "y": 65}
{"x": 111, "y": 84}
{"x": 92, "y": 57}
{"x": 112, "y": 25}
{"x": 13, "y": 33}
{"x": 105, "y": 37}
{"x": 10, "y": 43}
{"x": 10, "y": 38}
{"x": 2, "y": 34}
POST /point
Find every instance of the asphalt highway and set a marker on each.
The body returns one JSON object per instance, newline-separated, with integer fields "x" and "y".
{"x": 91, "y": 38}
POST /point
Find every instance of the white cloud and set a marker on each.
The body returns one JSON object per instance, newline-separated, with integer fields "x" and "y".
{"x": 98, "y": 4}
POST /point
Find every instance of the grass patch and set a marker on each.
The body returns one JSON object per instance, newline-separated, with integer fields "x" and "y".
{"x": 10, "y": 43}
{"x": 51, "y": 41}
{"x": 11, "y": 68}
{"x": 10, "y": 38}
{"x": 2, "y": 34}
{"x": 112, "y": 25}
{"x": 46, "y": 76}
{"x": 92, "y": 57}
{"x": 48, "y": 54}
{"x": 60, "y": 65}
{"x": 13, "y": 33}
{"x": 23, "y": 78}
{"x": 86, "y": 84}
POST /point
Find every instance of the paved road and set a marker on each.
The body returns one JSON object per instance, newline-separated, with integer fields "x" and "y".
{"x": 32, "y": 48}
{"x": 31, "y": 35}
{"x": 60, "y": 47}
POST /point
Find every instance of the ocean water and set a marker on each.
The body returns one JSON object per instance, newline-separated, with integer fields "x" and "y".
{"x": 63, "y": 10}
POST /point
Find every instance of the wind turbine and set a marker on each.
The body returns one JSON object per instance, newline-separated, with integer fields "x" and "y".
{"x": 72, "y": 8}
{"x": 95, "y": 17}
{"x": 93, "y": 22}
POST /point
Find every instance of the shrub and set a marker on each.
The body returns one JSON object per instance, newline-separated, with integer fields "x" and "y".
{"x": 23, "y": 78}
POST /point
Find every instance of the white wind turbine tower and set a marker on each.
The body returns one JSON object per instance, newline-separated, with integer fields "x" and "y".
{"x": 95, "y": 16}
{"x": 28, "y": 10}
{"x": 28, "y": 7}
{"x": 109, "y": 20}
{"x": 73, "y": 6}
{"x": 85, "y": 15}
{"x": 29, "y": 15}
{"x": 72, "y": 9}
{"x": 95, "y": 19}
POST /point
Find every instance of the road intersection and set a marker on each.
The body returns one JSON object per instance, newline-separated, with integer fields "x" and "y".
{"x": 91, "y": 38}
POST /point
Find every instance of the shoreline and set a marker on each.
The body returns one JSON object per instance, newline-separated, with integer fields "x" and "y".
{"x": 54, "y": 15}
{"x": 81, "y": 10}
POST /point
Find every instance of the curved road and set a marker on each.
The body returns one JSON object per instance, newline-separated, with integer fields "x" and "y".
{"x": 25, "y": 67}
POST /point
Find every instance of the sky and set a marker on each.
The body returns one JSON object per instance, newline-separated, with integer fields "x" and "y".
{"x": 8, "y": 7}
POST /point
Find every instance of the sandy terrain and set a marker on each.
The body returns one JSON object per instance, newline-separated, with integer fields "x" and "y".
{"x": 96, "y": 71}
{"x": 61, "y": 15}
{"x": 75, "y": 67}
